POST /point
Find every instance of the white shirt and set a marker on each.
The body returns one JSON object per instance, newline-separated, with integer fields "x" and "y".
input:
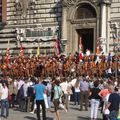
{"x": 25, "y": 88}
{"x": 88, "y": 52}
{"x": 73, "y": 82}
{"x": 15, "y": 83}
{"x": 4, "y": 93}
{"x": 64, "y": 87}
{"x": 30, "y": 83}
{"x": 109, "y": 70}
{"x": 1, "y": 86}
{"x": 77, "y": 89}
{"x": 19, "y": 84}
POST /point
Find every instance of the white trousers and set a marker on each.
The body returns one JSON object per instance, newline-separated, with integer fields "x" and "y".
{"x": 94, "y": 107}
{"x": 45, "y": 100}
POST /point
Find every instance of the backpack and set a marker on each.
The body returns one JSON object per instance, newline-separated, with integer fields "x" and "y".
{"x": 21, "y": 92}
{"x": 52, "y": 93}
{"x": 30, "y": 92}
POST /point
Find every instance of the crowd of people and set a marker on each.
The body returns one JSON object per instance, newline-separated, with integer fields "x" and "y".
{"x": 91, "y": 65}
{"x": 34, "y": 84}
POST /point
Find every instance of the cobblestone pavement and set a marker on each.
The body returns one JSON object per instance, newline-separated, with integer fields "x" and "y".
{"x": 72, "y": 114}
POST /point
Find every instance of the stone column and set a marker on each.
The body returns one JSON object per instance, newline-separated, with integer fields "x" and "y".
{"x": 103, "y": 27}
{"x": 64, "y": 23}
{"x": 64, "y": 26}
{"x": 108, "y": 29}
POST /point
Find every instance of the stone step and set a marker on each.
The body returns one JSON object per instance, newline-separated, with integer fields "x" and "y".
{"x": 5, "y": 40}
{"x": 7, "y": 30}
{"x": 7, "y": 35}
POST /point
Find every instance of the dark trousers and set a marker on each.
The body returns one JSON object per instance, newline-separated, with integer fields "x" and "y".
{"x": 29, "y": 104}
{"x": 113, "y": 115}
{"x": 84, "y": 98}
{"x": 24, "y": 104}
{"x": 13, "y": 99}
{"x": 77, "y": 98}
{"x": 38, "y": 103}
{"x": 105, "y": 117}
{"x": 5, "y": 105}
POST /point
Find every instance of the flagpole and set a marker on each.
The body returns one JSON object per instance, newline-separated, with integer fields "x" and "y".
{"x": 8, "y": 43}
{"x": 8, "y": 49}
{"x": 45, "y": 49}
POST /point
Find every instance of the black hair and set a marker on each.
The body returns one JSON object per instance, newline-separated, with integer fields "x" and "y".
{"x": 57, "y": 82}
{"x": 116, "y": 89}
{"x": 96, "y": 83}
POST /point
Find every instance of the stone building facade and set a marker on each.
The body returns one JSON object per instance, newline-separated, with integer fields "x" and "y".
{"x": 36, "y": 22}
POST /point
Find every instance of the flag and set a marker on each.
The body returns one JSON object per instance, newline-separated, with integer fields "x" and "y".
{"x": 80, "y": 56}
{"x": 80, "y": 45}
{"x": 80, "y": 49}
{"x": 57, "y": 47}
{"x": 21, "y": 50}
{"x": 59, "y": 41}
{"x": 98, "y": 47}
{"x": 7, "y": 55}
{"x": 38, "y": 51}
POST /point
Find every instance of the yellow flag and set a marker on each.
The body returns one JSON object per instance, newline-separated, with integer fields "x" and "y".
{"x": 38, "y": 51}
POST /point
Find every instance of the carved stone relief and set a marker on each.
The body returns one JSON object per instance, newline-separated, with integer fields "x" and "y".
{"x": 73, "y": 2}
{"x": 22, "y": 6}
{"x": 69, "y": 2}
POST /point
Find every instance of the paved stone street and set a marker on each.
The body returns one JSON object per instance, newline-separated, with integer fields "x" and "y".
{"x": 72, "y": 114}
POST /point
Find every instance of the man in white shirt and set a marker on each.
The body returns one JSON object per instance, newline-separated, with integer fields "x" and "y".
{"x": 4, "y": 100}
{"x": 64, "y": 86}
{"x": 25, "y": 99}
{"x": 87, "y": 52}
{"x": 20, "y": 82}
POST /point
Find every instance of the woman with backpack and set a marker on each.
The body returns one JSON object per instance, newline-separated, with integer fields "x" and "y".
{"x": 56, "y": 98}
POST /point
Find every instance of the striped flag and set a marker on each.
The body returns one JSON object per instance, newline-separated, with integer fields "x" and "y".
{"x": 80, "y": 49}
{"x": 57, "y": 46}
{"x": 21, "y": 50}
{"x": 7, "y": 54}
{"x": 98, "y": 47}
{"x": 80, "y": 45}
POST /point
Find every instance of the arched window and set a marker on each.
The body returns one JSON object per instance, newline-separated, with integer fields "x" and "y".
{"x": 85, "y": 11}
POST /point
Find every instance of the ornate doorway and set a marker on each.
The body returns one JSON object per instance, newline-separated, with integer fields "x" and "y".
{"x": 87, "y": 37}
{"x": 81, "y": 19}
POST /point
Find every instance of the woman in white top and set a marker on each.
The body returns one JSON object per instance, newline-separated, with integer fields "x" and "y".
{"x": 4, "y": 101}
{"x": 77, "y": 92}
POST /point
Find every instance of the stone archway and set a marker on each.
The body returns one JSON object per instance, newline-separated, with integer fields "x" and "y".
{"x": 82, "y": 16}
{"x": 85, "y": 12}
